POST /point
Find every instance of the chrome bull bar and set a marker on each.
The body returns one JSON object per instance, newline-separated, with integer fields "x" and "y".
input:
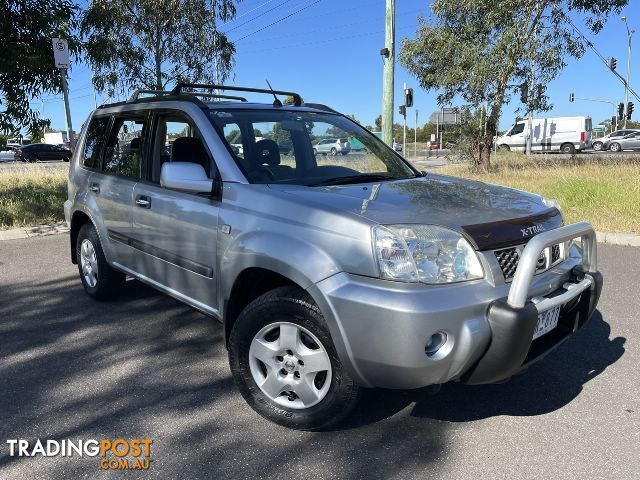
{"x": 519, "y": 292}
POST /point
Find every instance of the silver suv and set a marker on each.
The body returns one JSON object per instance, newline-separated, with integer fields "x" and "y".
{"x": 332, "y": 146}
{"x": 328, "y": 274}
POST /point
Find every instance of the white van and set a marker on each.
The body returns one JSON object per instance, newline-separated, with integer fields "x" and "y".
{"x": 559, "y": 134}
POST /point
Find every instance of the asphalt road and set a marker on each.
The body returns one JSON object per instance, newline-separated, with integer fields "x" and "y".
{"x": 147, "y": 366}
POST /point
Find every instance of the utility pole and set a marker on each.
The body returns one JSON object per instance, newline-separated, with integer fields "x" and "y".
{"x": 626, "y": 85}
{"x": 531, "y": 92}
{"x": 415, "y": 137}
{"x": 389, "y": 57}
{"x": 404, "y": 127}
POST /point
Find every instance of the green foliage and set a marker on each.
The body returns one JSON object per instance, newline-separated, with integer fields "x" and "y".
{"x": 481, "y": 50}
{"x": 152, "y": 43}
{"x": 26, "y": 59}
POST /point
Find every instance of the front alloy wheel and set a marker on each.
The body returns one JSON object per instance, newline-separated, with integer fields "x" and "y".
{"x": 285, "y": 364}
{"x": 597, "y": 146}
{"x": 290, "y": 365}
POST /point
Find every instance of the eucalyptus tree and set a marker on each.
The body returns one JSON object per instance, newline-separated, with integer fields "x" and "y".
{"x": 484, "y": 51}
{"x": 153, "y": 43}
{"x": 27, "y": 69}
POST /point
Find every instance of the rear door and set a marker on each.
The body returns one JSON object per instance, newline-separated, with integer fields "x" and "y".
{"x": 175, "y": 232}
{"x": 111, "y": 183}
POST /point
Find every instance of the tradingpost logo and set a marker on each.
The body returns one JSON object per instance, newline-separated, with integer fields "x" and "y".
{"x": 119, "y": 454}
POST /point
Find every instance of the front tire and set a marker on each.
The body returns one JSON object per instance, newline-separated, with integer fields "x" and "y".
{"x": 597, "y": 146}
{"x": 504, "y": 148}
{"x": 99, "y": 280}
{"x": 285, "y": 364}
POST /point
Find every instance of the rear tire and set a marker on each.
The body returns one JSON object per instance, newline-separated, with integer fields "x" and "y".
{"x": 334, "y": 152}
{"x": 99, "y": 280}
{"x": 504, "y": 148}
{"x": 568, "y": 148}
{"x": 278, "y": 350}
{"x": 615, "y": 147}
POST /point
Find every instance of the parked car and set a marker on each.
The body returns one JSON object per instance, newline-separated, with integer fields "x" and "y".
{"x": 38, "y": 152}
{"x": 327, "y": 279}
{"x": 286, "y": 147}
{"x": 552, "y": 134}
{"x": 333, "y": 146}
{"x": 434, "y": 146}
{"x": 628, "y": 142}
{"x": 603, "y": 143}
{"x": 397, "y": 146}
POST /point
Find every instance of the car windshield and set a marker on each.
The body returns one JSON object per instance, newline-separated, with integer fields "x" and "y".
{"x": 306, "y": 148}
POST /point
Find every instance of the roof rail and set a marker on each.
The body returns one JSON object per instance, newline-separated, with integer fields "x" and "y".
{"x": 320, "y": 106}
{"x": 136, "y": 95}
{"x": 297, "y": 99}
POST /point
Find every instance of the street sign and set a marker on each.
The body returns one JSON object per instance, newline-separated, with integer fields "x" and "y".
{"x": 433, "y": 137}
{"x": 60, "y": 52}
{"x": 599, "y": 129}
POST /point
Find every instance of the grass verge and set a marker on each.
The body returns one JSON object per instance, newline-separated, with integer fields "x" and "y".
{"x": 31, "y": 196}
{"x": 602, "y": 190}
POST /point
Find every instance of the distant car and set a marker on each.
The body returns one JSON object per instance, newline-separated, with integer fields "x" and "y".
{"x": 450, "y": 144}
{"x": 397, "y": 146}
{"x": 603, "y": 143}
{"x": 333, "y": 146}
{"x": 629, "y": 142}
{"x": 434, "y": 146}
{"x": 41, "y": 152}
{"x": 286, "y": 147}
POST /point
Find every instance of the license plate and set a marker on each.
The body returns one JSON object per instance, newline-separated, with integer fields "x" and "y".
{"x": 547, "y": 321}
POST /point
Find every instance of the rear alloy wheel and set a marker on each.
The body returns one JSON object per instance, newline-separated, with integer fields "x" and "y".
{"x": 615, "y": 147}
{"x": 99, "y": 280}
{"x": 334, "y": 152}
{"x": 285, "y": 364}
{"x": 504, "y": 148}
{"x": 597, "y": 146}
{"x": 568, "y": 148}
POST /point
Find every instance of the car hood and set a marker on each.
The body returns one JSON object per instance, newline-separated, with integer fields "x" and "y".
{"x": 491, "y": 216}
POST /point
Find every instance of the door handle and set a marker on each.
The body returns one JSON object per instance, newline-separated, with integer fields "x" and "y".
{"x": 94, "y": 187}
{"x": 143, "y": 201}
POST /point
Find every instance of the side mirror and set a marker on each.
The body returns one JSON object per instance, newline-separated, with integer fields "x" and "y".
{"x": 186, "y": 176}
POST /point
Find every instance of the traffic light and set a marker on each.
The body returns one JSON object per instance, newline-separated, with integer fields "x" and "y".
{"x": 629, "y": 110}
{"x": 524, "y": 92}
{"x": 613, "y": 122}
{"x": 408, "y": 97}
{"x": 403, "y": 110}
{"x": 620, "y": 111}
{"x": 571, "y": 97}
{"x": 612, "y": 63}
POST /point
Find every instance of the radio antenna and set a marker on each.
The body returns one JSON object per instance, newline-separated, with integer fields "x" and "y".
{"x": 276, "y": 101}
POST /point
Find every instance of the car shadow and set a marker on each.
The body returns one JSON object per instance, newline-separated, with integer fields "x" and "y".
{"x": 545, "y": 387}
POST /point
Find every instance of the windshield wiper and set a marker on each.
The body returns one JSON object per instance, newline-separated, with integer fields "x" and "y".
{"x": 347, "y": 179}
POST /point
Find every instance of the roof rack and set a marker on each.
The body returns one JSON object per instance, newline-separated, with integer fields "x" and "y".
{"x": 297, "y": 99}
{"x": 136, "y": 95}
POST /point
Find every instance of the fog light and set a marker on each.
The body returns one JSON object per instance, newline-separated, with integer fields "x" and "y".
{"x": 435, "y": 343}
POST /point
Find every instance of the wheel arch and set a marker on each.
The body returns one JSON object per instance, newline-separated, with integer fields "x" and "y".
{"x": 78, "y": 219}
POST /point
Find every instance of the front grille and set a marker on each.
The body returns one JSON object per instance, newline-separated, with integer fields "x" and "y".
{"x": 508, "y": 259}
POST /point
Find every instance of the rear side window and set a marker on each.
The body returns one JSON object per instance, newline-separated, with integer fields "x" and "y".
{"x": 123, "y": 154}
{"x": 94, "y": 140}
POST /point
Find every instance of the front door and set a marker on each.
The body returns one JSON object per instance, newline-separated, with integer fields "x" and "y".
{"x": 175, "y": 232}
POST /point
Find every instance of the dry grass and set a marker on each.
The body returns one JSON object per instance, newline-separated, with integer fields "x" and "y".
{"x": 31, "y": 196}
{"x": 602, "y": 190}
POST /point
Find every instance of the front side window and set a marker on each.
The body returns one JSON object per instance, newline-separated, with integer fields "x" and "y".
{"x": 306, "y": 148}
{"x": 123, "y": 153}
{"x": 517, "y": 128}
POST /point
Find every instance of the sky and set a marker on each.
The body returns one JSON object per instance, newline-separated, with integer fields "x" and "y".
{"x": 328, "y": 51}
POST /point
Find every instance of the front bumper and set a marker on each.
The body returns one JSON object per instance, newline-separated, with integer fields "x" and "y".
{"x": 381, "y": 327}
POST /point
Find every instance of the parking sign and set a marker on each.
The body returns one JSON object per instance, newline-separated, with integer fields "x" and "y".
{"x": 61, "y": 52}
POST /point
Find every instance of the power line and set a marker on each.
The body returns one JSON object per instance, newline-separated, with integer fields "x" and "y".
{"x": 257, "y": 17}
{"x": 277, "y": 21}
{"x": 602, "y": 57}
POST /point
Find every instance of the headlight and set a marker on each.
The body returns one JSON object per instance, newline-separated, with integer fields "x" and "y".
{"x": 425, "y": 253}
